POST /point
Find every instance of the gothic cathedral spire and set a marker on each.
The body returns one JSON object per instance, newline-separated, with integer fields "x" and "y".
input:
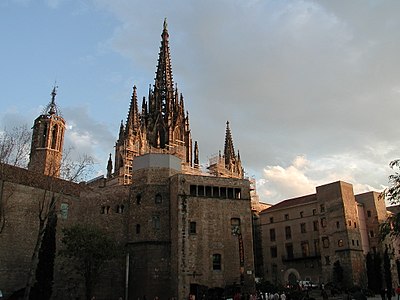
{"x": 229, "y": 151}
{"x": 47, "y": 140}
{"x": 160, "y": 126}
{"x": 228, "y": 165}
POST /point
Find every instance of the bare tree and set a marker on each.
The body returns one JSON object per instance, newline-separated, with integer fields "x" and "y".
{"x": 76, "y": 170}
{"x": 15, "y": 146}
{"x": 14, "y": 150}
{"x": 71, "y": 170}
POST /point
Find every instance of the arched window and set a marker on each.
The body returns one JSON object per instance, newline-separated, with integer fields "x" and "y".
{"x": 44, "y": 136}
{"x": 119, "y": 209}
{"x": 54, "y": 137}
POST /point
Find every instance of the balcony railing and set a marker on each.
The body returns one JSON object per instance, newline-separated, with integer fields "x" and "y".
{"x": 296, "y": 257}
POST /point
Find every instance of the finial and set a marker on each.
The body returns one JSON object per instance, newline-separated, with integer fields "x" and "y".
{"x": 52, "y": 105}
{"x": 109, "y": 167}
{"x": 165, "y": 24}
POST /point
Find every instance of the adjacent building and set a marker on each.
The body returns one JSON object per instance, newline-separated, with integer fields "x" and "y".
{"x": 318, "y": 236}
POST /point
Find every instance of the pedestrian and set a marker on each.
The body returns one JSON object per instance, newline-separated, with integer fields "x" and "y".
{"x": 276, "y": 296}
{"x": 389, "y": 294}
{"x": 383, "y": 294}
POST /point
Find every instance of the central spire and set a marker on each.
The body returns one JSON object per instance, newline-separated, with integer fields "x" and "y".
{"x": 160, "y": 126}
{"x": 163, "y": 81}
{"x": 229, "y": 151}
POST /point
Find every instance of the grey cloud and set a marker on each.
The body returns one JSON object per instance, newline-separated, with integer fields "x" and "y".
{"x": 293, "y": 77}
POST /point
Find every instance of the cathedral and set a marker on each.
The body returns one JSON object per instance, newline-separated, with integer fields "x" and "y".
{"x": 185, "y": 230}
{"x": 162, "y": 126}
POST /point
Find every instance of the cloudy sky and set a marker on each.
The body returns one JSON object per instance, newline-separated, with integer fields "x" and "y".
{"x": 311, "y": 88}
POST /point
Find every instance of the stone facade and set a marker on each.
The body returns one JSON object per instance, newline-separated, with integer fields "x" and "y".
{"x": 304, "y": 237}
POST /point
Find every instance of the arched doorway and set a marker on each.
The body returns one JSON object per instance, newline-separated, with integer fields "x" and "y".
{"x": 291, "y": 276}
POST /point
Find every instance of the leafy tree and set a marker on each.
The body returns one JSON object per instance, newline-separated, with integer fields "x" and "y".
{"x": 398, "y": 269}
{"x": 387, "y": 270}
{"x": 391, "y": 227}
{"x": 378, "y": 271}
{"x": 370, "y": 271}
{"x": 373, "y": 264}
{"x": 88, "y": 248}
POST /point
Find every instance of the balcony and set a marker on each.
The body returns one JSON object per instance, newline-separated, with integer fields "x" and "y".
{"x": 299, "y": 257}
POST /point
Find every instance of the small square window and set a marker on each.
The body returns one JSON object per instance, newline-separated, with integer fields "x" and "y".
{"x": 316, "y": 225}
{"x": 64, "y": 210}
{"x": 192, "y": 228}
{"x": 288, "y": 232}
{"x": 216, "y": 261}
{"x": 272, "y": 236}
{"x": 286, "y": 216}
{"x": 369, "y": 213}
{"x": 274, "y": 252}
{"x": 156, "y": 222}
{"x": 158, "y": 199}
{"x": 303, "y": 227}
{"x": 325, "y": 242}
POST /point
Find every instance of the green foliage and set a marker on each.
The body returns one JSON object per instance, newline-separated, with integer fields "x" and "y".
{"x": 387, "y": 270}
{"x": 374, "y": 274}
{"x": 398, "y": 269}
{"x": 391, "y": 227}
{"x": 89, "y": 248}
{"x": 45, "y": 267}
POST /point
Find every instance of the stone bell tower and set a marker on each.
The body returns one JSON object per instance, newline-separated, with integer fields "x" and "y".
{"x": 47, "y": 140}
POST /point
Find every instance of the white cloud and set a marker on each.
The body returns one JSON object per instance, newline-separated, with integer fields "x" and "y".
{"x": 302, "y": 176}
